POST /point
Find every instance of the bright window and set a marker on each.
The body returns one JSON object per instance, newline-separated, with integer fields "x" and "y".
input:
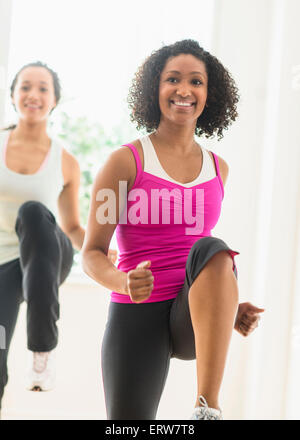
{"x": 96, "y": 46}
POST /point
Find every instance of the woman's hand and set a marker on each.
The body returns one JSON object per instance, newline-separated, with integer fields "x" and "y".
{"x": 140, "y": 282}
{"x": 112, "y": 255}
{"x": 247, "y": 318}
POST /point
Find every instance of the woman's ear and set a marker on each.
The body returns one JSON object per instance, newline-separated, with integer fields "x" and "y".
{"x": 55, "y": 104}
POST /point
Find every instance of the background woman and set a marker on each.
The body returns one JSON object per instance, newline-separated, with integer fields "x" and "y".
{"x": 39, "y": 179}
{"x": 174, "y": 293}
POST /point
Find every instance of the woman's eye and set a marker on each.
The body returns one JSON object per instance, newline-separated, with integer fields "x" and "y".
{"x": 197, "y": 82}
{"x": 25, "y": 88}
{"x": 172, "y": 80}
{"x": 43, "y": 89}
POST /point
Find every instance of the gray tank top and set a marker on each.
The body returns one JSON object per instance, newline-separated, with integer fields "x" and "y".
{"x": 15, "y": 189}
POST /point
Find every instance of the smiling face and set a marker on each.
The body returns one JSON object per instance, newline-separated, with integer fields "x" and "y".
{"x": 183, "y": 89}
{"x": 34, "y": 95}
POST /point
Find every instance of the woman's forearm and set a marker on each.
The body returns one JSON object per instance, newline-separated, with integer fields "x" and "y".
{"x": 98, "y": 266}
{"x": 76, "y": 236}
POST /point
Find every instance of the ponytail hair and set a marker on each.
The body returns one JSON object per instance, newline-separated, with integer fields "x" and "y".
{"x": 10, "y": 127}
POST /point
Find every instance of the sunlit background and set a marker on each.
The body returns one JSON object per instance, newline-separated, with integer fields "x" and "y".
{"x": 96, "y": 47}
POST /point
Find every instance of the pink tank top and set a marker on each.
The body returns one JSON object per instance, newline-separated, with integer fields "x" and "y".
{"x": 161, "y": 223}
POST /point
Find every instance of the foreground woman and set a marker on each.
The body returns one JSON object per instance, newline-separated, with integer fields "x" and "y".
{"x": 174, "y": 293}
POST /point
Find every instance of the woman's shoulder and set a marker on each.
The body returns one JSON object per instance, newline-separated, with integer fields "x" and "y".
{"x": 4, "y": 133}
{"x": 124, "y": 156}
{"x": 69, "y": 159}
{"x": 136, "y": 144}
{"x": 223, "y": 165}
{"x": 121, "y": 163}
{"x": 63, "y": 148}
{"x": 69, "y": 163}
{"x": 224, "y": 168}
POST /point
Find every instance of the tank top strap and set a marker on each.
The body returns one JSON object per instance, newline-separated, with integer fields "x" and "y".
{"x": 216, "y": 162}
{"x": 218, "y": 172}
{"x": 139, "y": 168}
{"x": 53, "y": 161}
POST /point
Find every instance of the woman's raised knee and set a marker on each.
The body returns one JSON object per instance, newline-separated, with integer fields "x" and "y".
{"x": 32, "y": 213}
{"x": 31, "y": 209}
{"x": 221, "y": 262}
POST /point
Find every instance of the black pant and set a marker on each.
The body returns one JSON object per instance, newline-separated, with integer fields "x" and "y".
{"x": 140, "y": 340}
{"x": 46, "y": 257}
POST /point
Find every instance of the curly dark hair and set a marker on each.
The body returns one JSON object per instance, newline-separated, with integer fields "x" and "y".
{"x": 222, "y": 93}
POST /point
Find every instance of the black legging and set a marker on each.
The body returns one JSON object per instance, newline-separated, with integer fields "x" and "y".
{"x": 46, "y": 257}
{"x": 140, "y": 340}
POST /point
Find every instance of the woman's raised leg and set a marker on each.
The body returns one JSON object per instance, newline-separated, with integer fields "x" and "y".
{"x": 213, "y": 301}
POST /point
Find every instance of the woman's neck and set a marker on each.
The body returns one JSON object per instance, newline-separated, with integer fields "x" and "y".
{"x": 179, "y": 137}
{"x": 30, "y": 132}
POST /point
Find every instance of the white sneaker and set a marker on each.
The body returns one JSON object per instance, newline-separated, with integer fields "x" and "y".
{"x": 41, "y": 373}
{"x": 203, "y": 412}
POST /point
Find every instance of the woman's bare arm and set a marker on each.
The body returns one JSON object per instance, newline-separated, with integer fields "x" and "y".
{"x": 120, "y": 166}
{"x": 68, "y": 202}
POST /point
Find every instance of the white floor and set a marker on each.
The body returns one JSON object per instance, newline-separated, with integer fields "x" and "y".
{"x": 79, "y": 390}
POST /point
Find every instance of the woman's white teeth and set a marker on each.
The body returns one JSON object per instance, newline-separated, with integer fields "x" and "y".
{"x": 184, "y": 104}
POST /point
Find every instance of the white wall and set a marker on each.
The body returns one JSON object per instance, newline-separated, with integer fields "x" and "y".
{"x": 5, "y": 24}
{"x": 258, "y": 41}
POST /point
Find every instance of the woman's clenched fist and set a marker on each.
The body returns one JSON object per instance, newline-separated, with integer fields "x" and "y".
{"x": 140, "y": 282}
